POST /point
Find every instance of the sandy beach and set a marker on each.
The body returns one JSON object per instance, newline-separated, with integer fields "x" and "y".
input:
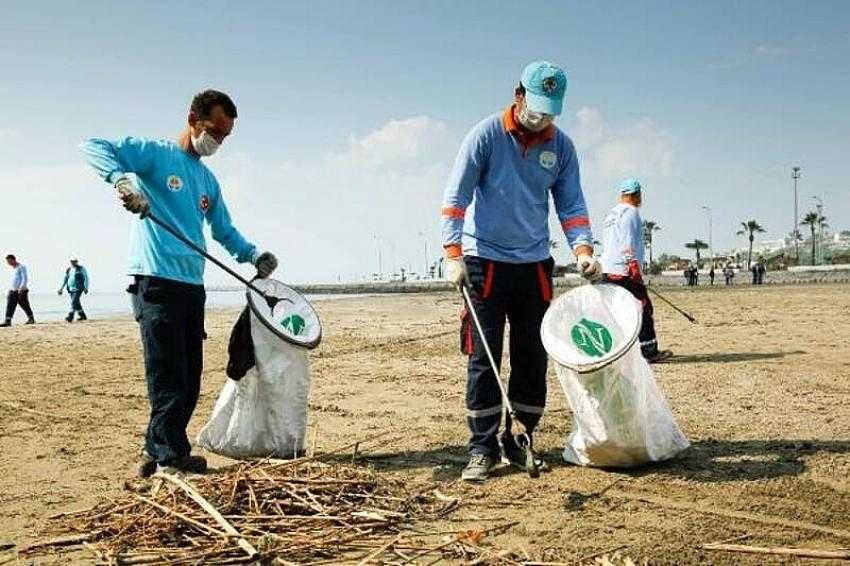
{"x": 761, "y": 387}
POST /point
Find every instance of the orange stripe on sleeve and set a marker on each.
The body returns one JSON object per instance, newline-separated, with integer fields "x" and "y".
{"x": 453, "y": 212}
{"x": 453, "y": 250}
{"x": 575, "y": 222}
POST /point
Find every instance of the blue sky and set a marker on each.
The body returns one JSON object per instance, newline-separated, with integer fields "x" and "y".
{"x": 351, "y": 112}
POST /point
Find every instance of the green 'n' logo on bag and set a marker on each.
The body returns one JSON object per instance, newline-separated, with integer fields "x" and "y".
{"x": 294, "y": 324}
{"x": 592, "y": 338}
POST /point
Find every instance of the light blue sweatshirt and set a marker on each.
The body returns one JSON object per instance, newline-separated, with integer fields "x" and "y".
{"x": 496, "y": 203}
{"x": 623, "y": 241}
{"x": 69, "y": 282}
{"x": 182, "y": 192}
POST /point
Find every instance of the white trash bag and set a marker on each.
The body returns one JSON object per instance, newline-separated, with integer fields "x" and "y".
{"x": 620, "y": 418}
{"x": 264, "y": 414}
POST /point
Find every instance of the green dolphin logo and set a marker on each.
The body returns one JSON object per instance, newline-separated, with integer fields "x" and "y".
{"x": 294, "y": 323}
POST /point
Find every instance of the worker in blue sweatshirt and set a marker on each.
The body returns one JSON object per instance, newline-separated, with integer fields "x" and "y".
{"x": 622, "y": 261}
{"x": 76, "y": 282}
{"x": 167, "y": 290}
{"x": 496, "y": 239}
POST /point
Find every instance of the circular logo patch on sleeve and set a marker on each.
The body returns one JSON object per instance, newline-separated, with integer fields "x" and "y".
{"x": 548, "y": 159}
{"x": 174, "y": 183}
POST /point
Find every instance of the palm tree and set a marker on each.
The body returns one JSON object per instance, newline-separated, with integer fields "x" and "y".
{"x": 750, "y": 227}
{"x": 814, "y": 220}
{"x": 697, "y": 245}
{"x": 649, "y": 226}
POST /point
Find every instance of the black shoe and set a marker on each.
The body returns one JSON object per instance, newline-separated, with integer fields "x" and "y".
{"x": 659, "y": 356}
{"x": 187, "y": 464}
{"x": 81, "y": 316}
{"x": 70, "y": 317}
{"x": 30, "y": 321}
{"x": 147, "y": 465}
{"x": 514, "y": 455}
{"x": 479, "y": 467}
{"x": 5, "y": 323}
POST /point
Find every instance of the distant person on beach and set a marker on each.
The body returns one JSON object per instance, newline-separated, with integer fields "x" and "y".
{"x": 755, "y": 271}
{"x": 76, "y": 282}
{"x": 167, "y": 290}
{"x": 729, "y": 274}
{"x": 711, "y": 275}
{"x": 622, "y": 257}
{"x": 506, "y": 168}
{"x": 761, "y": 270}
{"x": 18, "y": 293}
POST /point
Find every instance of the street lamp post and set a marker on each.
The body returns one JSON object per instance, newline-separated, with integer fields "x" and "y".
{"x": 427, "y": 266}
{"x": 710, "y": 243}
{"x": 795, "y": 174}
{"x": 380, "y": 259}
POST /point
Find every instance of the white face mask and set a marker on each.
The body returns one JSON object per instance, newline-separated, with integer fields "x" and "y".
{"x": 205, "y": 145}
{"x": 534, "y": 121}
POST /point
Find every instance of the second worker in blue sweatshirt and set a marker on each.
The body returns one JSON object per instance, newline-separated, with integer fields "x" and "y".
{"x": 496, "y": 238}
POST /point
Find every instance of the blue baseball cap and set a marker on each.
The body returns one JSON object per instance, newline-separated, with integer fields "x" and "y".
{"x": 545, "y": 86}
{"x": 629, "y": 186}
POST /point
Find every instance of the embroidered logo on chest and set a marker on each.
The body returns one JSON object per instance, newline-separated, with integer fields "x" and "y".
{"x": 548, "y": 159}
{"x": 174, "y": 183}
{"x": 205, "y": 203}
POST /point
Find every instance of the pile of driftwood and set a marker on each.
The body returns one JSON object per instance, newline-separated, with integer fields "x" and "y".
{"x": 272, "y": 512}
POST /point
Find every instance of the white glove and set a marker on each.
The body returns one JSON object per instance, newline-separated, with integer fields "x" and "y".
{"x": 132, "y": 199}
{"x": 589, "y": 268}
{"x": 265, "y": 263}
{"x": 456, "y": 273}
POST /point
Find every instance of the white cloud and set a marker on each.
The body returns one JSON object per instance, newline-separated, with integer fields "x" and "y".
{"x": 640, "y": 149}
{"x": 326, "y": 217}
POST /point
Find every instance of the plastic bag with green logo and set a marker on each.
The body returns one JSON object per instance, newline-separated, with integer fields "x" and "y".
{"x": 620, "y": 417}
{"x": 265, "y": 412}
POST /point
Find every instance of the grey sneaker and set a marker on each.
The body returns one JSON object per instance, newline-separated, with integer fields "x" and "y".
{"x": 187, "y": 464}
{"x": 479, "y": 467}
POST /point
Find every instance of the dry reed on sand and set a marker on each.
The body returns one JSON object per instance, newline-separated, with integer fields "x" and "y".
{"x": 303, "y": 511}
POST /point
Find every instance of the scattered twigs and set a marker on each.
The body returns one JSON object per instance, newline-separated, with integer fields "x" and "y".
{"x": 301, "y": 512}
{"x": 783, "y": 551}
{"x": 69, "y": 540}
{"x": 207, "y": 506}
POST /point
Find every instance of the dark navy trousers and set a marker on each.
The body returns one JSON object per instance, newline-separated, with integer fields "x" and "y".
{"x": 518, "y": 294}
{"x": 171, "y": 320}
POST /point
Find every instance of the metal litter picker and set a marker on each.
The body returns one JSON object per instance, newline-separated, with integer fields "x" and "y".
{"x": 523, "y": 439}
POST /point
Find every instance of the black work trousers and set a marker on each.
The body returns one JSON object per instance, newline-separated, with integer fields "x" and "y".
{"x": 15, "y": 298}
{"x": 520, "y": 295}
{"x": 647, "y": 337}
{"x": 171, "y": 320}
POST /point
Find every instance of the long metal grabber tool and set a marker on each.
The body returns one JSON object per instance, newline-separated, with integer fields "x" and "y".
{"x": 677, "y": 309}
{"x": 530, "y": 461}
{"x": 271, "y": 301}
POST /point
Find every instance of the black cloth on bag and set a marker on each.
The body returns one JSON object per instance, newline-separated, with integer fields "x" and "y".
{"x": 240, "y": 350}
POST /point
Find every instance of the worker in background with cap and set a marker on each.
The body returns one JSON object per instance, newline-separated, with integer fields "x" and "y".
{"x": 76, "y": 282}
{"x": 495, "y": 233}
{"x": 622, "y": 261}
